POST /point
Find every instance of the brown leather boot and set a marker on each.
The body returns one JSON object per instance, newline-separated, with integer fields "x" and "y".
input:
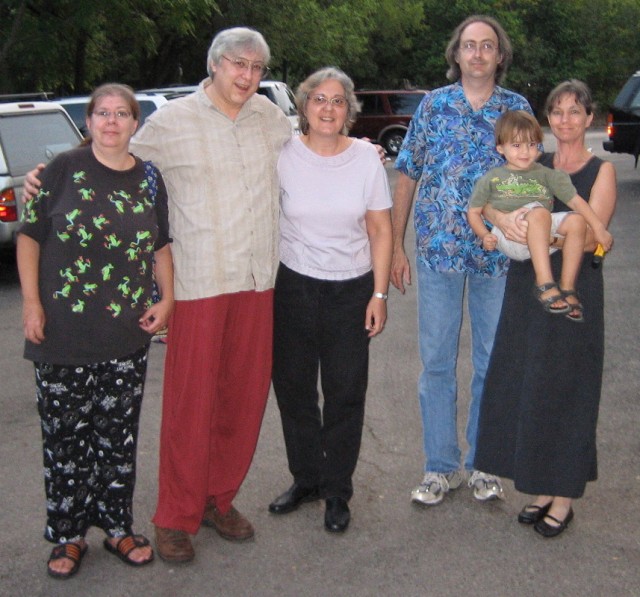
{"x": 173, "y": 545}
{"x": 232, "y": 525}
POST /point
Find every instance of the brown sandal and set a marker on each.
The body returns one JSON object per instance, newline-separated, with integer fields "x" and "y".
{"x": 70, "y": 551}
{"x": 125, "y": 546}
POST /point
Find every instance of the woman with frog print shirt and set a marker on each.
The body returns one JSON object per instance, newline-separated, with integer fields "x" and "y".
{"x": 86, "y": 253}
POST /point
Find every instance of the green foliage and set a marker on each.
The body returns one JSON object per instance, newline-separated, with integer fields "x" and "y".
{"x": 69, "y": 46}
{"x": 72, "y": 45}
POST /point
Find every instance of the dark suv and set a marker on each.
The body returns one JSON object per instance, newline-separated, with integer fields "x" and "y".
{"x": 623, "y": 122}
{"x": 385, "y": 116}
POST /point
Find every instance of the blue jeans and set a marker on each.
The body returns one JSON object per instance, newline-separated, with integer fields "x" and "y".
{"x": 440, "y": 307}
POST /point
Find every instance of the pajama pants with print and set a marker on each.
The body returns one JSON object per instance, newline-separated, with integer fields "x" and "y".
{"x": 89, "y": 417}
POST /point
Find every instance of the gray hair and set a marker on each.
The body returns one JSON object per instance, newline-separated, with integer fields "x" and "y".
{"x": 573, "y": 87}
{"x": 315, "y": 80}
{"x": 233, "y": 41}
{"x": 504, "y": 47}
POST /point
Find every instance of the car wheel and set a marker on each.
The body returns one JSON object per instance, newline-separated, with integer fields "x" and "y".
{"x": 392, "y": 142}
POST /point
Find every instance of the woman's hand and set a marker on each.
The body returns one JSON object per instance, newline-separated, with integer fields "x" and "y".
{"x": 382, "y": 154}
{"x": 604, "y": 238}
{"x": 33, "y": 320}
{"x": 28, "y": 260}
{"x": 157, "y": 316}
{"x": 513, "y": 224}
{"x": 376, "y": 316}
{"x": 379, "y": 231}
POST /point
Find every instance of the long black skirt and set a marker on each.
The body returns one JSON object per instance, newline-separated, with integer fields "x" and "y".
{"x": 542, "y": 392}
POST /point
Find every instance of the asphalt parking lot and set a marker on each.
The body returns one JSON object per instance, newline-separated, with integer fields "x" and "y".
{"x": 391, "y": 548}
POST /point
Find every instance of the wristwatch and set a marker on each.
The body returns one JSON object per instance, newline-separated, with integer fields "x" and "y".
{"x": 381, "y": 295}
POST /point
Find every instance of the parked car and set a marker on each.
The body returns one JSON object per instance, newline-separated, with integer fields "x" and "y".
{"x": 280, "y": 94}
{"x": 623, "y": 121}
{"x": 385, "y": 116}
{"x": 277, "y": 91}
{"x": 30, "y": 133}
{"x": 171, "y": 92}
{"x": 77, "y": 107}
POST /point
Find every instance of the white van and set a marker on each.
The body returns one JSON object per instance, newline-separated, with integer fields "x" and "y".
{"x": 30, "y": 133}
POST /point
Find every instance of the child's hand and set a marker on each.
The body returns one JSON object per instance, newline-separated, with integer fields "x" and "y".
{"x": 604, "y": 238}
{"x": 489, "y": 241}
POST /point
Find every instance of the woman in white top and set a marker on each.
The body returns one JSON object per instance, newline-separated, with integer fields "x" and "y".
{"x": 330, "y": 294}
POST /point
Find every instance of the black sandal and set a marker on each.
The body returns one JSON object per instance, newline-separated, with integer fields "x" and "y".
{"x": 547, "y": 303}
{"x": 125, "y": 546}
{"x": 578, "y": 316}
{"x": 70, "y": 551}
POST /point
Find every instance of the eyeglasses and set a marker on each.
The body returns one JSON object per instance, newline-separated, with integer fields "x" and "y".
{"x": 486, "y": 47}
{"x": 255, "y": 68}
{"x": 321, "y": 100}
{"x": 120, "y": 114}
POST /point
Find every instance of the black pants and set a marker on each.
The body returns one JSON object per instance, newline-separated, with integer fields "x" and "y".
{"x": 320, "y": 325}
{"x": 89, "y": 417}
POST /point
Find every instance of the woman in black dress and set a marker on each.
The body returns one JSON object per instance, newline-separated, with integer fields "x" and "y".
{"x": 542, "y": 391}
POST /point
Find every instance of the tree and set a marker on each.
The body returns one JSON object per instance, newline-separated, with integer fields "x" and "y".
{"x": 70, "y": 45}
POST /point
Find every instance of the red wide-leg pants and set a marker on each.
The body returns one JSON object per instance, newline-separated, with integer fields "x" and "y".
{"x": 216, "y": 383}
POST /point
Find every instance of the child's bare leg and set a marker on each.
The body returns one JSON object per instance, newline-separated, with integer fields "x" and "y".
{"x": 574, "y": 230}
{"x": 538, "y": 237}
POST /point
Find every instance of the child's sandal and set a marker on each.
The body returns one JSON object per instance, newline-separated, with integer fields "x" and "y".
{"x": 547, "y": 303}
{"x": 576, "y": 311}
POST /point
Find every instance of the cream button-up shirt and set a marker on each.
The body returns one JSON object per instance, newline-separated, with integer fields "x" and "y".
{"x": 223, "y": 191}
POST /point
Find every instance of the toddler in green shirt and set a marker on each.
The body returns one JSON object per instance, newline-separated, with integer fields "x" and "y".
{"x": 522, "y": 182}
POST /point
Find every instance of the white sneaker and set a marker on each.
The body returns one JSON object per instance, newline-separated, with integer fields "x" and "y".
{"x": 486, "y": 486}
{"x": 433, "y": 487}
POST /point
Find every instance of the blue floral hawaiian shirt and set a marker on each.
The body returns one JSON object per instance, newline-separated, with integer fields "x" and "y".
{"x": 449, "y": 146}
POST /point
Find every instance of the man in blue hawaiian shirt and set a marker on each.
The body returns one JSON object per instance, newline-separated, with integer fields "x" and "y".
{"x": 449, "y": 145}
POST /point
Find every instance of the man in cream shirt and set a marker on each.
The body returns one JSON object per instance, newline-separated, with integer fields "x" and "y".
{"x": 217, "y": 150}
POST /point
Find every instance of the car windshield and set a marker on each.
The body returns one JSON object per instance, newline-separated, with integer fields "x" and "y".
{"x": 281, "y": 97}
{"x": 29, "y": 139}
{"x": 370, "y": 104}
{"x": 405, "y": 103}
{"x": 78, "y": 113}
{"x": 630, "y": 94}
